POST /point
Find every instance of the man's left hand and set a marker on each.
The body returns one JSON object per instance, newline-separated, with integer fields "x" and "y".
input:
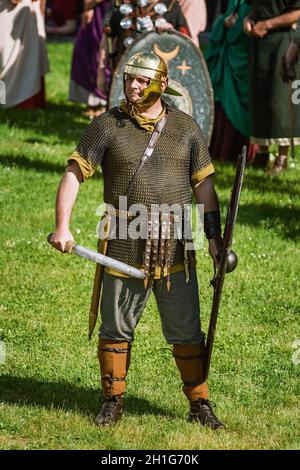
{"x": 215, "y": 249}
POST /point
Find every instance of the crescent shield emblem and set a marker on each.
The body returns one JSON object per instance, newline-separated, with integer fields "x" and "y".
{"x": 187, "y": 71}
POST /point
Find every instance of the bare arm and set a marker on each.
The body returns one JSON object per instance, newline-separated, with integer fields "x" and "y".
{"x": 205, "y": 194}
{"x": 65, "y": 200}
{"x": 261, "y": 28}
{"x": 43, "y": 6}
{"x": 283, "y": 20}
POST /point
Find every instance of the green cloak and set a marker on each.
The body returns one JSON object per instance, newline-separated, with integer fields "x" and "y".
{"x": 227, "y": 58}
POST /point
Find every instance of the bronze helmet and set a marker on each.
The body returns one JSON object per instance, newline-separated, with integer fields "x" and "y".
{"x": 150, "y": 65}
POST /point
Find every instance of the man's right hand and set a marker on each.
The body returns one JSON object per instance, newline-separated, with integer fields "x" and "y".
{"x": 215, "y": 247}
{"x": 62, "y": 240}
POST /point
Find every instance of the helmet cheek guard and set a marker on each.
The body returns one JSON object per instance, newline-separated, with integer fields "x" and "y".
{"x": 151, "y": 94}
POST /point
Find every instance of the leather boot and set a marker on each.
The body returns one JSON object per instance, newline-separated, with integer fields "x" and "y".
{"x": 190, "y": 360}
{"x": 201, "y": 412}
{"x": 114, "y": 360}
{"x": 111, "y": 411}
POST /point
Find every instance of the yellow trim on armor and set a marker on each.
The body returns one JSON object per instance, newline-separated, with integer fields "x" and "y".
{"x": 85, "y": 166}
{"x": 202, "y": 174}
{"x": 176, "y": 268}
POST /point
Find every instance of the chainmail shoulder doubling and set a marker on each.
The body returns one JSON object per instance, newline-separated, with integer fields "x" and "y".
{"x": 116, "y": 142}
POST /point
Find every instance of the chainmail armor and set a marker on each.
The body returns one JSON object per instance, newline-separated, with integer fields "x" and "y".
{"x": 116, "y": 142}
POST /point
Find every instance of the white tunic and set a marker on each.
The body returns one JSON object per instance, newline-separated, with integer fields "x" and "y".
{"x": 23, "y": 53}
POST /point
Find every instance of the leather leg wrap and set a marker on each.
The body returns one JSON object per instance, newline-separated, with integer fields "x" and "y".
{"x": 114, "y": 360}
{"x": 190, "y": 360}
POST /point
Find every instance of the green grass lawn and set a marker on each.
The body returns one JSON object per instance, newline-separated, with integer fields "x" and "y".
{"x": 49, "y": 382}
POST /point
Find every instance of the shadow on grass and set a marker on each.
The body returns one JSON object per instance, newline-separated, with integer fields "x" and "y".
{"x": 28, "y": 164}
{"x": 41, "y": 166}
{"x": 284, "y": 221}
{"x": 63, "y": 395}
{"x": 62, "y": 122}
{"x": 56, "y": 125}
{"x": 257, "y": 181}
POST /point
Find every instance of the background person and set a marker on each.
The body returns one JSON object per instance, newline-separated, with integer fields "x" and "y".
{"x": 89, "y": 56}
{"x": 270, "y": 27}
{"x": 227, "y": 57}
{"x": 195, "y": 14}
{"x": 23, "y": 53}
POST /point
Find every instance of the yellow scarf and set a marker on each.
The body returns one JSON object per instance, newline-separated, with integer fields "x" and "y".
{"x": 143, "y": 121}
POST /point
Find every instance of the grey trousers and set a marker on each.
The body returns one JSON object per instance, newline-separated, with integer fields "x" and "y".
{"x": 124, "y": 300}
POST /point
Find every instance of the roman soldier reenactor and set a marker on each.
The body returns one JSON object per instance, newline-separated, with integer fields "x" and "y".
{"x": 154, "y": 155}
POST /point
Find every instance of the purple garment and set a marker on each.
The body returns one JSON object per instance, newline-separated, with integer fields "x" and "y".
{"x": 86, "y": 52}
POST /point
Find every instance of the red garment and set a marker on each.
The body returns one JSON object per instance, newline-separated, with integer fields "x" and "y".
{"x": 184, "y": 30}
{"x": 36, "y": 101}
{"x": 227, "y": 142}
{"x": 62, "y": 11}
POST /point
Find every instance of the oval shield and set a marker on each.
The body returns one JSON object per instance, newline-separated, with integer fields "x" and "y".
{"x": 187, "y": 70}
